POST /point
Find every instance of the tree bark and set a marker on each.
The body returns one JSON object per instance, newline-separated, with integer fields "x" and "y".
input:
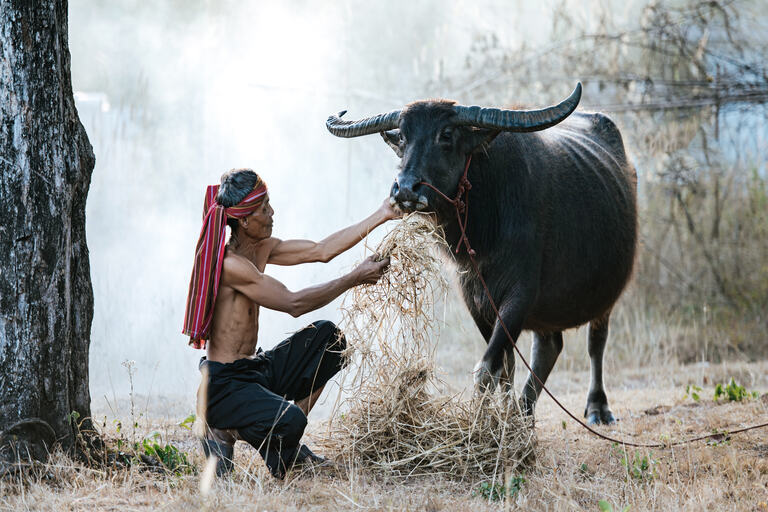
{"x": 46, "y": 299}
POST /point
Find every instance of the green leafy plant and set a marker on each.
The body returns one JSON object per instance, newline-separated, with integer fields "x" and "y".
{"x": 606, "y": 506}
{"x": 514, "y": 485}
{"x": 733, "y": 392}
{"x": 188, "y": 422}
{"x": 639, "y": 467}
{"x": 499, "y": 491}
{"x": 73, "y": 417}
{"x": 488, "y": 491}
{"x": 693, "y": 391}
{"x": 172, "y": 459}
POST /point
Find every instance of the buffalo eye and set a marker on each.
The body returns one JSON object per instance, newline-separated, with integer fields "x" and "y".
{"x": 446, "y": 136}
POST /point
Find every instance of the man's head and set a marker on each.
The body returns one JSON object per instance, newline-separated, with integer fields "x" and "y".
{"x": 235, "y": 186}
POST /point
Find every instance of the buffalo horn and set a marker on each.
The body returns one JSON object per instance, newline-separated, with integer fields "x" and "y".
{"x": 367, "y": 126}
{"x": 518, "y": 120}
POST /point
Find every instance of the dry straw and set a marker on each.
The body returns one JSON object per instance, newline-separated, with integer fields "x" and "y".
{"x": 396, "y": 418}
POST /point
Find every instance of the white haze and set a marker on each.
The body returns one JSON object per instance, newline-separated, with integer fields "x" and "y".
{"x": 174, "y": 93}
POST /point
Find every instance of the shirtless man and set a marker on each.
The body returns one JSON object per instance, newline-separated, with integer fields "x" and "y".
{"x": 245, "y": 393}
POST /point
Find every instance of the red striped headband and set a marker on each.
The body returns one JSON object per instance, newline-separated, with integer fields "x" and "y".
{"x": 209, "y": 258}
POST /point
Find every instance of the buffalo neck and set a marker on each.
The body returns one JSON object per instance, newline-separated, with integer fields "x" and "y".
{"x": 482, "y": 220}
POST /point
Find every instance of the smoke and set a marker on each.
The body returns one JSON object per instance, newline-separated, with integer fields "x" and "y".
{"x": 172, "y": 94}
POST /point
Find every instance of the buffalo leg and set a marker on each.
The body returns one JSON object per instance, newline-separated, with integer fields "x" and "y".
{"x": 597, "y": 410}
{"x": 507, "y": 376}
{"x": 487, "y": 372}
{"x": 544, "y": 352}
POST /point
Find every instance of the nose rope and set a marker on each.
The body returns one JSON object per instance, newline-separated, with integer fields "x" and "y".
{"x": 462, "y": 205}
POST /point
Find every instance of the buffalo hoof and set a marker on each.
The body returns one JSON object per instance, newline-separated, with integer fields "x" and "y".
{"x": 485, "y": 379}
{"x": 599, "y": 414}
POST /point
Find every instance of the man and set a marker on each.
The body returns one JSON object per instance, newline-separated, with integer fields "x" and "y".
{"x": 246, "y": 393}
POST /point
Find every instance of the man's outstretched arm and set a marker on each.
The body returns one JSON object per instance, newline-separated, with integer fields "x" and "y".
{"x": 293, "y": 252}
{"x": 243, "y": 276}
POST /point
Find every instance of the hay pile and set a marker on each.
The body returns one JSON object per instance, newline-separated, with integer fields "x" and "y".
{"x": 395, "y": 419}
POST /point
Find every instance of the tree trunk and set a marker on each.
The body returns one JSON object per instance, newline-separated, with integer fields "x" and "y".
{"x": 46, "y": 299}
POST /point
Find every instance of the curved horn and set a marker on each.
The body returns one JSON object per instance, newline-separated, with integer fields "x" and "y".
{"x": 367, "y": 126}
{"x": 519, "y": 120}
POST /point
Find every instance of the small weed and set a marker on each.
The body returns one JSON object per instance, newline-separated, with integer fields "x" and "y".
{"x": 173, "y": 459}
{"x": 514, "y": 485}
{"x": 130, "y": 367}
{"x": 152, "y": 454}
{"x": 608, "y": 507}
{"x": 719, "y": 438}
{"x": 639, "y": 467}
{"x": 188, "y": 422}
{"x": 693, "y": 391}
{"x": 733, "y": 392}
{"x": 488, "y": 491}
{"x": 498, "y": 492}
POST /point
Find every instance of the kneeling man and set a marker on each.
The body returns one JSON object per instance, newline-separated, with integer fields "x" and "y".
{"x": 246, "y": 394}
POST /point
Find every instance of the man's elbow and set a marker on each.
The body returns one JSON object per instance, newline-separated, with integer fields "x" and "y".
{"x": 297, "y": 307}
{"x": 324, "y": 255}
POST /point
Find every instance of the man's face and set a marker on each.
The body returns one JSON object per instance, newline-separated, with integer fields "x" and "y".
{"x": 258, "y": 225}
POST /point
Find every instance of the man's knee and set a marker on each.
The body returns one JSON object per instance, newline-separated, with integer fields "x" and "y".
{"x": 337, "y": 342}
{"x": 292, "y": 424}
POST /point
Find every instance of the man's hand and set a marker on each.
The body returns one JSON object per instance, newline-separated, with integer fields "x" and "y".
{"x": 371, "y": 270}
{"x": 388, "y": 210}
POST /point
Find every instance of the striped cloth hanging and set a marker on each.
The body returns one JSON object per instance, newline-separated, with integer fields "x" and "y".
{"x": 209, "y": 258}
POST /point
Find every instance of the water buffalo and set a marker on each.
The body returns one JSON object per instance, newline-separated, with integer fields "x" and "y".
{"x": 552, "y": 218}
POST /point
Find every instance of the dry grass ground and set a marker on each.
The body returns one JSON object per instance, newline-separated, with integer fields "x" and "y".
{"x": 572, "y": 471}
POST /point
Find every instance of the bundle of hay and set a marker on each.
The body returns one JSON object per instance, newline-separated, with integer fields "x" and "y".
{"x": 395, "y": 418}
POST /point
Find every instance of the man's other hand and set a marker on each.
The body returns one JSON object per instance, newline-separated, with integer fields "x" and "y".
{"x": 388, "y": 210}
{"x": 371, "y": 270}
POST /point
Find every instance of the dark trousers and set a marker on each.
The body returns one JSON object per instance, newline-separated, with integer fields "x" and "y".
{"x": 253, "y": 395}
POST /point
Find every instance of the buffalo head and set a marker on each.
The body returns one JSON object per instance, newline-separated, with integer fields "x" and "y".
{"x": 434, "y": 138}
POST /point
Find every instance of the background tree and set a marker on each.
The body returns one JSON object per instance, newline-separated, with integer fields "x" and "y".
{"x": 46, "y": 300}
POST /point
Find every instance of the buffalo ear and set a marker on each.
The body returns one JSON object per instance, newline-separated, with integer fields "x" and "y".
{"x": 392, "y": 138}
{"x": 474, "y": 138}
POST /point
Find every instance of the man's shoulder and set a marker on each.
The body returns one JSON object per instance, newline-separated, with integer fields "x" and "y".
{"x": 236, "y": 267}
{"x": 271, "y": 243}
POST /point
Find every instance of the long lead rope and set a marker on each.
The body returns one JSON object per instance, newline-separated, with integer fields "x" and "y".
{"x": 462, "y": 205}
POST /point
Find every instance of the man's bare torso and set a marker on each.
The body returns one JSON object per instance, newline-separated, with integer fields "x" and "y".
{"x": 235, "y": 329}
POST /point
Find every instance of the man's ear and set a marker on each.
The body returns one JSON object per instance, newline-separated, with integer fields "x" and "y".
{"x": 392, "y": 138}
{"x": 242, "y": 221}
{"x": 475, "y": 137}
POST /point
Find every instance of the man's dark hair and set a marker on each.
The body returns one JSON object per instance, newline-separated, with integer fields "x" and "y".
{"x": 235, "y": 185}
